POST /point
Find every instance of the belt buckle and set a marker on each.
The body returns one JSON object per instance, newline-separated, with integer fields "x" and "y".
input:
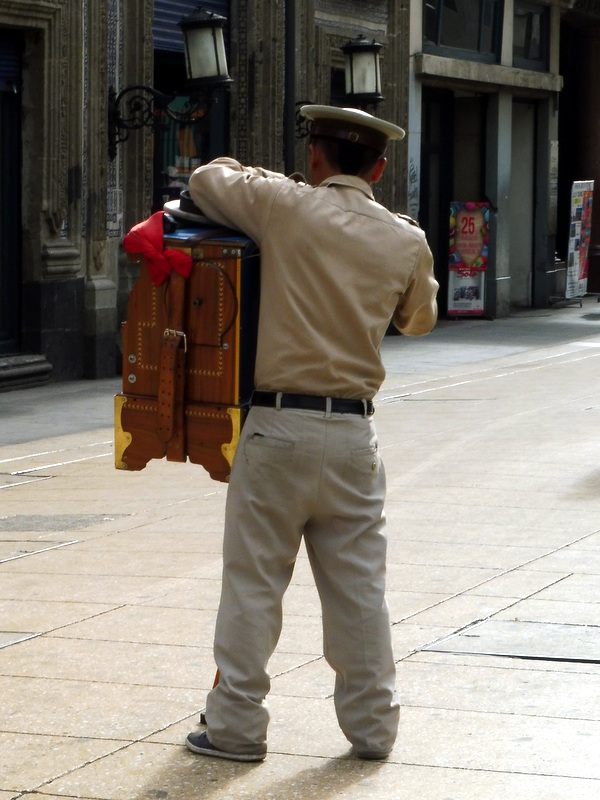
{"x": 172, "y": 332}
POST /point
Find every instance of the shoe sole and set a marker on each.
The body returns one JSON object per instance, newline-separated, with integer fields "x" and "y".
{"x": 369, "y": 756}
{"x": 215, "y": 753}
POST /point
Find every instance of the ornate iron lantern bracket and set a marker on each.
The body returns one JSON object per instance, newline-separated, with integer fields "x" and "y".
{"x": 140, "y": 106}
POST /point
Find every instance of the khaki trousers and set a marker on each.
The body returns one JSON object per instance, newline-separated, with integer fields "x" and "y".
{"x": 305, "y": 473}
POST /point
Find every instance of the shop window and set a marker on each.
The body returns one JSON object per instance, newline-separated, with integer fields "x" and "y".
{"x": 530, "y": 36}
{"x": 467, "y": 29}
{"x": 179, "y": 149}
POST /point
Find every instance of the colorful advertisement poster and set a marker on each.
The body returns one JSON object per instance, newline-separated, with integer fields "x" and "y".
{"x": 582, "y": 195}
{"x": 468, "y": 257}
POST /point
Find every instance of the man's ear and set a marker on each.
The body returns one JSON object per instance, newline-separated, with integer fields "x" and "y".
{"x": 378, "y": 169}
{"x": 318, "y": 165}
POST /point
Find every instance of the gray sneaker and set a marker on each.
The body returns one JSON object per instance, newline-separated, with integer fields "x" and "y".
{"x": 200, "y": 743}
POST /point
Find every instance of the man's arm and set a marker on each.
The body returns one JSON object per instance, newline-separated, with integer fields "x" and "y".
{"x": 236, "y": 196}
{"x": 416, "y": 312}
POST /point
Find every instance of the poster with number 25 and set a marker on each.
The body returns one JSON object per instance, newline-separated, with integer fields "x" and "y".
{"x": 468, "y": 257}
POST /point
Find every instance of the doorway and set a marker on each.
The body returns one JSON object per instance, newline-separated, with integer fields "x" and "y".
{"x": 452, "y": 167}
{"x": 10, "y": 191}
{"x": 437, "y": 146}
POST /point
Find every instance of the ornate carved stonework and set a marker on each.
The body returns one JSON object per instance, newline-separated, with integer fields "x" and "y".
{"x": 349, "y": 18}
{"x": 51, "y": 132}
{"x": 96, "y": 141}
{"x": 60, "y": 258}
{"x": 395, "y": 67}
{"x": 240, "y": 94}
{"x": 258, "y": 42}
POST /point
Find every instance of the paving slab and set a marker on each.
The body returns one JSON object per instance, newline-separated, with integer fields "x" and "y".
{"x": 59, "y": 756}
{"x": 523, "y": 638}
{"x": 491, "y": 684}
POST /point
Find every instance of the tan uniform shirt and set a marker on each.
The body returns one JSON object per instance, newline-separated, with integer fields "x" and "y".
{"x": 336, "y": 266}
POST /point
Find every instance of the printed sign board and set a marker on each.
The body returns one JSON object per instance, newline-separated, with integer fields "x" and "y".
{"x": 468, "y": 257}
{"x": 582, "y": 195}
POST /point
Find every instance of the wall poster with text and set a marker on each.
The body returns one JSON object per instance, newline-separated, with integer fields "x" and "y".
{"x": 468, "y": 257}
{"x": 580, "y": 230}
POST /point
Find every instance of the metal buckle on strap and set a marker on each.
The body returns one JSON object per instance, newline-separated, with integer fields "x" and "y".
{"x": 172, "y": 332}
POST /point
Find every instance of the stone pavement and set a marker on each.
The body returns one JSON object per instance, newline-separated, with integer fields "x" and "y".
{"x": 109, "y": 583}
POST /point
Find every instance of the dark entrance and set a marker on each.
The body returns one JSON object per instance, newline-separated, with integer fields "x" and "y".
{"x": 452, "y": 167}
{"x": 11, "y": 46}
{"x": 436, "y": 180}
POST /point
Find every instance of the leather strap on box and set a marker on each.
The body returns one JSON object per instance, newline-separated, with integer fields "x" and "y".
{"x": 171, "y": 384}
{"x": 172, "y": 364}
{"x": 171, "y": 379}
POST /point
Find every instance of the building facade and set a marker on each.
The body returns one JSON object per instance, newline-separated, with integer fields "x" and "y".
{"x": 478, "y": 85}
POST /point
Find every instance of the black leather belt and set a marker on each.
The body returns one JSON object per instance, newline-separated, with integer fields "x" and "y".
{"x": 312, "y": 403}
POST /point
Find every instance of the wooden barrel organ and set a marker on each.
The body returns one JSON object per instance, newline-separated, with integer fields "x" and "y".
{"x": 189, "y": 348}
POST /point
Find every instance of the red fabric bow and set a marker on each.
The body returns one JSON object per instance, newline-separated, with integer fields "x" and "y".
{"x": 147, "y": 238}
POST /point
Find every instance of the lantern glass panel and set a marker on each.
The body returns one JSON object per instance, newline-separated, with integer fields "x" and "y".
{"x": 348, "y": 72}
{"x": 365, "y": 74}
{"x": 205, "y": 53}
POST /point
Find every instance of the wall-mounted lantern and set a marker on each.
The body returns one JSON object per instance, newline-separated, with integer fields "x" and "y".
{"x": 206, "y": 66}
{"x": 204, "y": 45}
{"x": 363, "y": 73}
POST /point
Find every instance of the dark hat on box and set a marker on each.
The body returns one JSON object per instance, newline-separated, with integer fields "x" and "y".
{"x": 351, "y": 125}
{"x": 184, "y": 208}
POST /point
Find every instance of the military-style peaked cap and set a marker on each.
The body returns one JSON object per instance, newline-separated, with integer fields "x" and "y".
{"x": 351, "y": 124}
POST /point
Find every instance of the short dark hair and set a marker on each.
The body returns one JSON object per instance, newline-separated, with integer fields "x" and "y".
{"x": 351, "y": 158}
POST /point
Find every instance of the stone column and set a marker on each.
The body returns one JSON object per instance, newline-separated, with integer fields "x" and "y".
{"x": 497, "y": 189}
{"x": 395, "y": 71}
{"x": 100, "y": 286}
{"x": 130, "y": 177}
{"x": 547, "y": 276}
{"x": 118, "y": 193}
